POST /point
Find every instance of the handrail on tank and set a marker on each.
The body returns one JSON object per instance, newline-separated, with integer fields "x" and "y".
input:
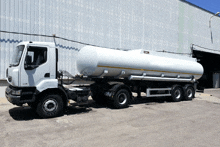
{"x": 148, "y": 78}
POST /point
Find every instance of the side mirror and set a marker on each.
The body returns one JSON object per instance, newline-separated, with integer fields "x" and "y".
{"x": 28, "y": 60}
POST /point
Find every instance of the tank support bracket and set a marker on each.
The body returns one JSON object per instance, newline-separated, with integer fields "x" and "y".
{"x": 105, "y": 72}
{"x": 122, "y": 73}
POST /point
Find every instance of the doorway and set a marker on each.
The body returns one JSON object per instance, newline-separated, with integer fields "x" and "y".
{"x": 211, "y": 65}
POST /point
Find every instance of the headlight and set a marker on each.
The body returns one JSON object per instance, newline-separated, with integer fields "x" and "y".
{"x": 16, "y": 92}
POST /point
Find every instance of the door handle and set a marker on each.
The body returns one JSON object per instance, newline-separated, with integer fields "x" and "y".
{"x": 47, "y": 75}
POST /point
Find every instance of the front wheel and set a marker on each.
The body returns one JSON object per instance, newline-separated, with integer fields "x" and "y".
{"x": 50, "y": 106}
{"x": 121, "y": 99}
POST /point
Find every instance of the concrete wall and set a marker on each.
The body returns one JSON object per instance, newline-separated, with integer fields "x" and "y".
{"x": 169, "y": 25}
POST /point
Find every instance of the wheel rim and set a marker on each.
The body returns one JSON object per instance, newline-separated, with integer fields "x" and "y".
{"x": 177, "y": 94}
{"x": 189, "y": 93}
{"x": 122, "y": 98}
{"x": 50, "y": 105}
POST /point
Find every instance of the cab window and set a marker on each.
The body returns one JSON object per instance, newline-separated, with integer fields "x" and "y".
{"x": 36, "y": 56}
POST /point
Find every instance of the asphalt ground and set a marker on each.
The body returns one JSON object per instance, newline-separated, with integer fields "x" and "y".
{"x": 147, "y": 122}
{"x": 213, "y": 92}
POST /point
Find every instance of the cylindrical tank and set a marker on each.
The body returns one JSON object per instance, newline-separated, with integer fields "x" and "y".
{"x": 99, "y": 62}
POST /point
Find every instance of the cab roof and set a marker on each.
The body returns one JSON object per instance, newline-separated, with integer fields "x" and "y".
{"x": 50, "y": 44}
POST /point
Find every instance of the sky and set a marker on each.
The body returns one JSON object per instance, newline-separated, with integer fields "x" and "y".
{"x": 210, "y": 5}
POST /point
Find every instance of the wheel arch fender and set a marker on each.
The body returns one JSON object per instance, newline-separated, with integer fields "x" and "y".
{"x": 59, "y": 90}
{"x": 47, "y": 84}
{"x": 117, "y": 87}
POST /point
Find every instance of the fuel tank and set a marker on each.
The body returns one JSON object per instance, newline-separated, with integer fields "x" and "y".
{"x": 104, "y": 62}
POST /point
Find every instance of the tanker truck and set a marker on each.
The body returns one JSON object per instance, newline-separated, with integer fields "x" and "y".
{"x": 113, "y": 75}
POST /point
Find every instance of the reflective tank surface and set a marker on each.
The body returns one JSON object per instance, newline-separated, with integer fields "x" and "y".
{"x": 103, "y": 62}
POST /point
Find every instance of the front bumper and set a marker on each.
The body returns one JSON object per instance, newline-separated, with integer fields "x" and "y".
{"x": 26, "y": 95}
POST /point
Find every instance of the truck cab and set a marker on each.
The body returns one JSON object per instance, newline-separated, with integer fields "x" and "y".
{"x": 33, "y": 69}
{"x": 32, "y": 78}
{"x": 32, "y": 64}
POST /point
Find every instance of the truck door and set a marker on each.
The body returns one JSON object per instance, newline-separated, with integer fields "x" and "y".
{"x": 36, "y": 66}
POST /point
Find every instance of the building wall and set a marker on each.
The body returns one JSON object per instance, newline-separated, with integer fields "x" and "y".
{"x": 170, "y": 25}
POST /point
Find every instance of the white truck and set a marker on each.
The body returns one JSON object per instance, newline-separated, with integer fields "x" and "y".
{"x": 34, "y": 77}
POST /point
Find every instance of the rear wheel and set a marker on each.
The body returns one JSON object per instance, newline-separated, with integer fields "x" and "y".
{"x": 50, "y": 106}
{"x": 177, "y": 93}
{"x": 189, "y": 92}
{"x": 121, "y": 99}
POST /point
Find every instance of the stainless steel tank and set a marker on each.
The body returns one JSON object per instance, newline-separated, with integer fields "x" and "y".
{"x": 103, "y": 62}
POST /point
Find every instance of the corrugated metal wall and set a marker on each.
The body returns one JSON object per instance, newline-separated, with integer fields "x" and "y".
{"x": 170, "y": 25}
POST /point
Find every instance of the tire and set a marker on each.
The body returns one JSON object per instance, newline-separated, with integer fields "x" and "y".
{"x": 50, "y": 106}
{"x": 33, "y": 105}
{"x": 98, "y": 98}
{"x": 189, "y": 92}
{"x": 121, "y": 99}
{"x": 177, "y": 93}
{"x": 98, "y": 92}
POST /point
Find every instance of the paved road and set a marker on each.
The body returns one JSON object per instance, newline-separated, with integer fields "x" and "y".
{"x": 213, "y": 92}
{"x": 147, "y": 122}
{"x": 2, "y": 91}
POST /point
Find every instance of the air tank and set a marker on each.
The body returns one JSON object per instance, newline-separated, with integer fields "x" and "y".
{"x": 103, "y": 62}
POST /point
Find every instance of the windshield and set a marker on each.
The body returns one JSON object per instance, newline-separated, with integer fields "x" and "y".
{"x": 17, "y": 55}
